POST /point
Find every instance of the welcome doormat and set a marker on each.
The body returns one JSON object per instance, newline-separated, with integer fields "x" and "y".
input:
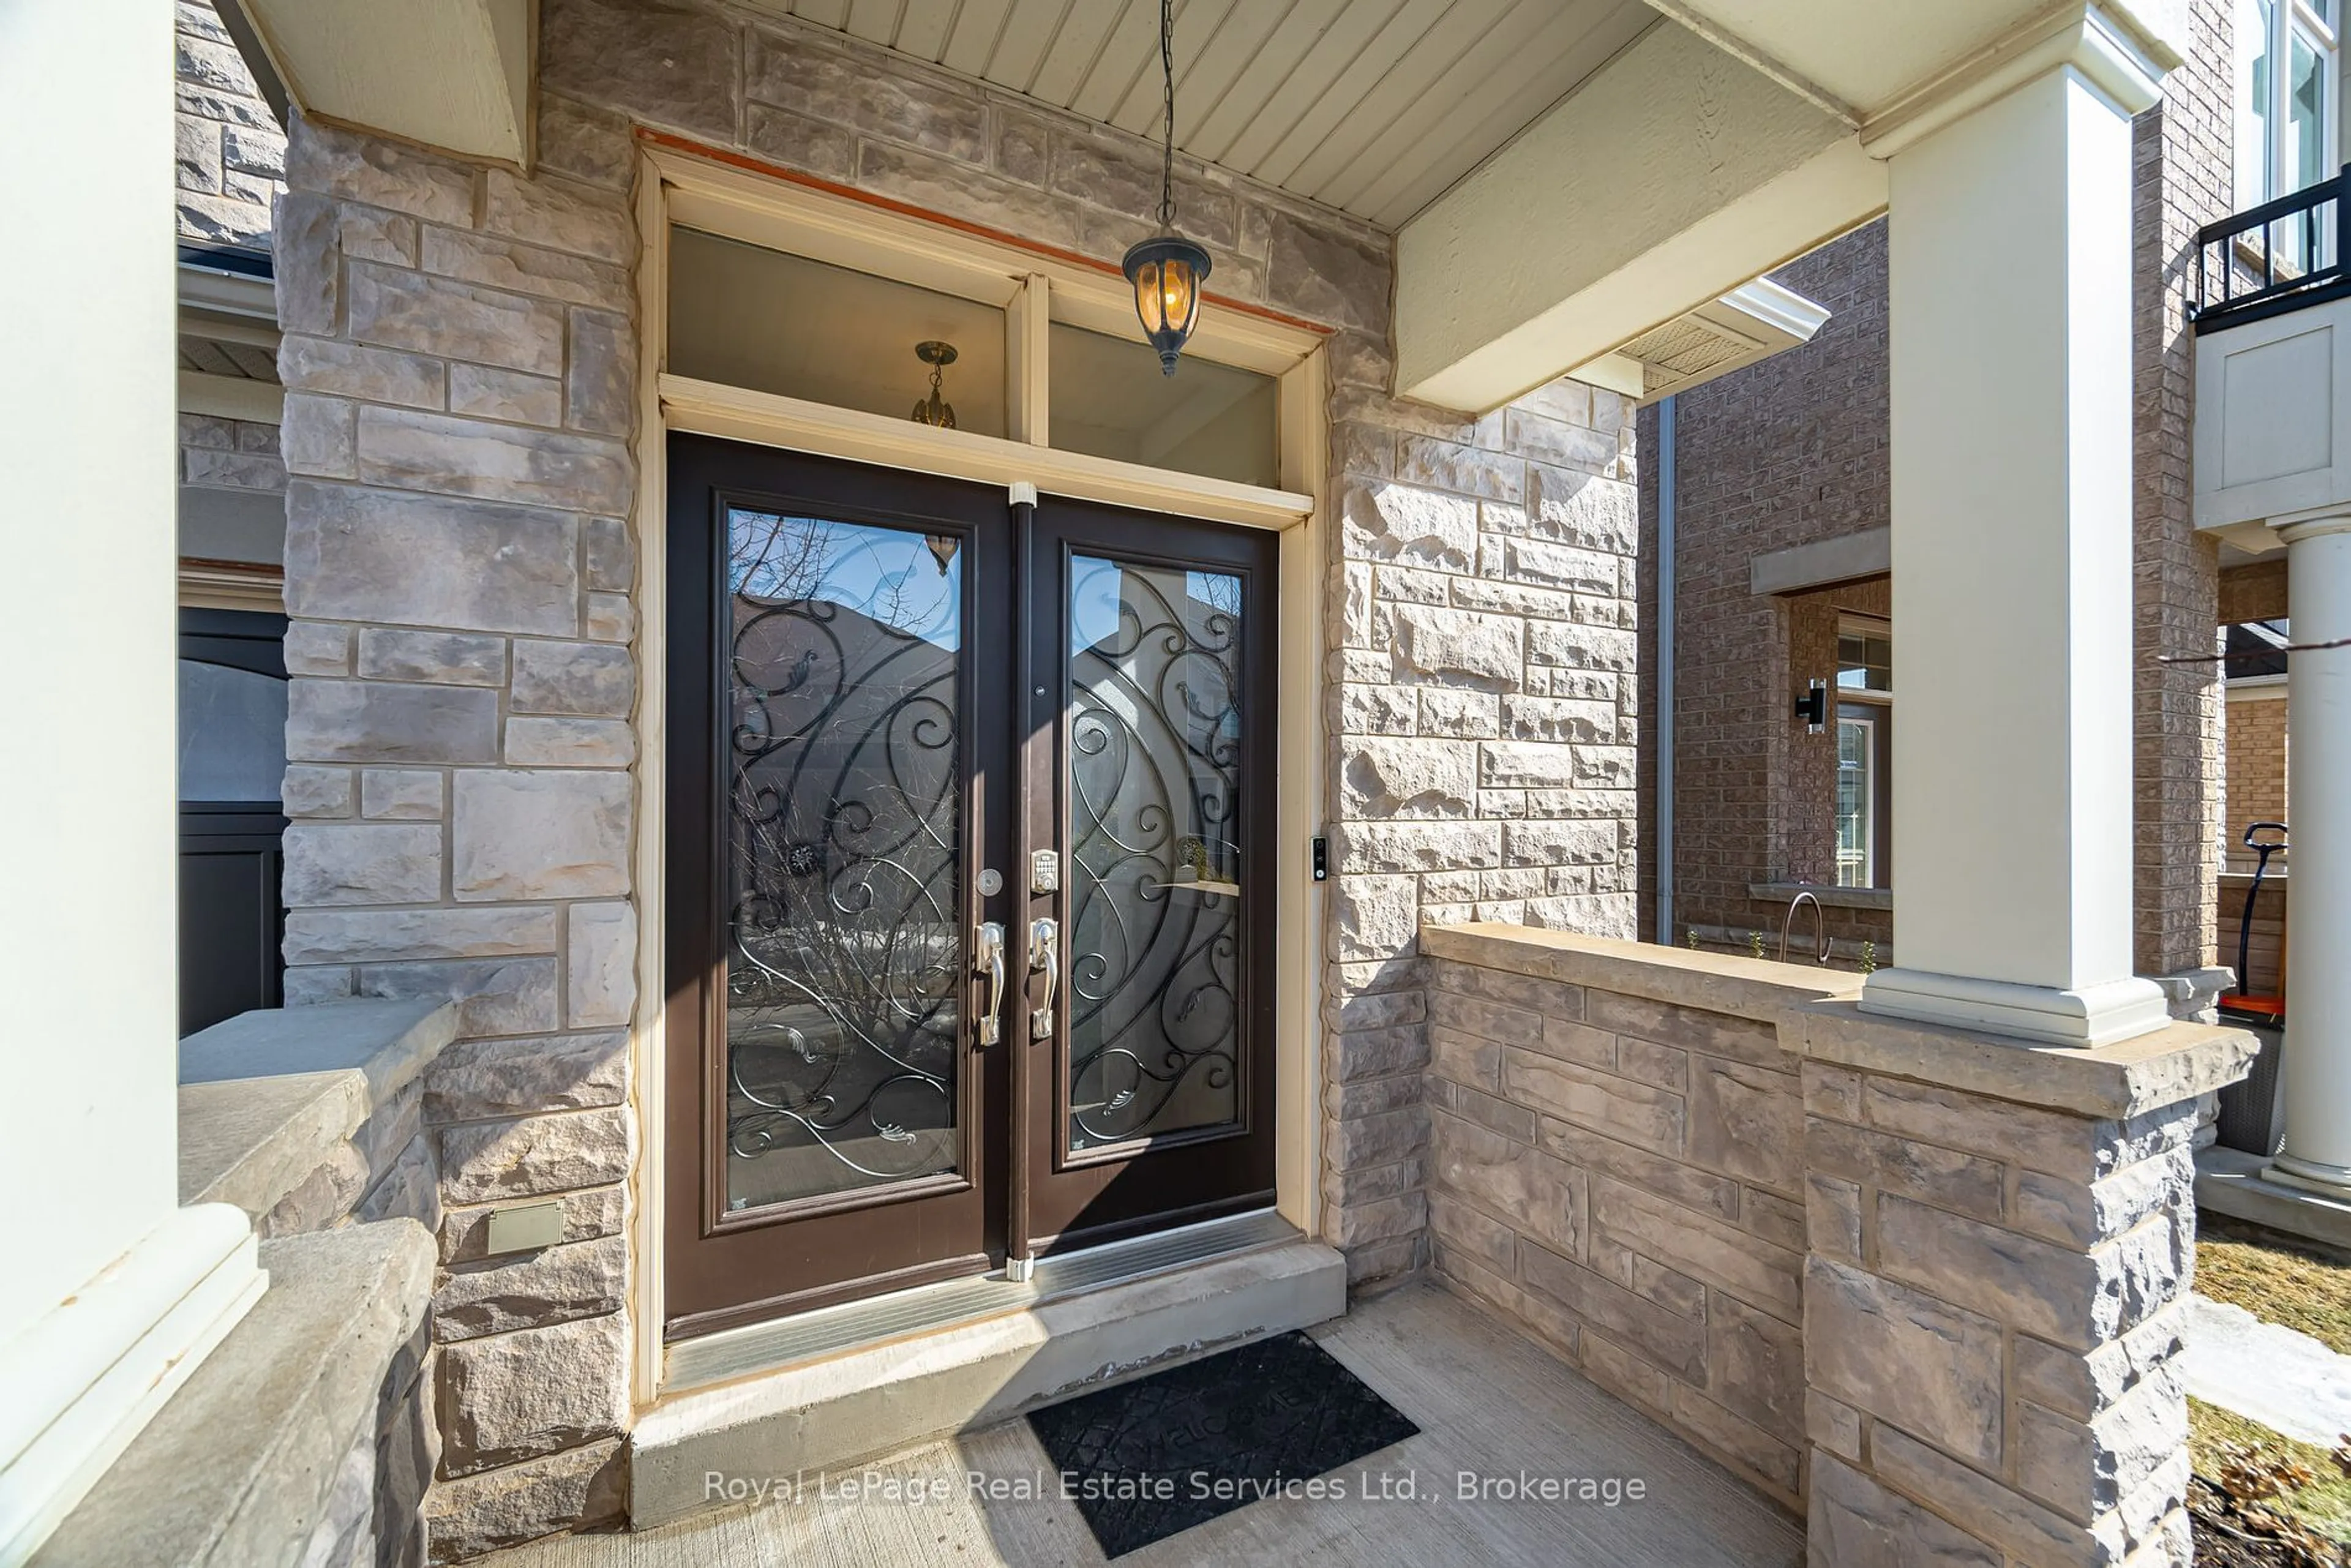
{"x": 1148, "y": 1459}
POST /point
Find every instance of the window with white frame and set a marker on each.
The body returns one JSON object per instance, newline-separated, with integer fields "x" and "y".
{"x": 1865, "y": 741}
{"x": 2285, "y": 97}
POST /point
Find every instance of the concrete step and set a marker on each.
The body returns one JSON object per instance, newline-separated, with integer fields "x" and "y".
{"x": 707, "y": 1448}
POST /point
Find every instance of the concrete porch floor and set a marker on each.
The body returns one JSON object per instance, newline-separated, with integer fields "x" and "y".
{"x": 1487, "y": 1401}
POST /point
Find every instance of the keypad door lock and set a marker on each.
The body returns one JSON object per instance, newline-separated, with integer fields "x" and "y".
{"x": 1045, "y": 872}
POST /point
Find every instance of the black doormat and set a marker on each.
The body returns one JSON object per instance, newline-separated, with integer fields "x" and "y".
{"x": 1148, "y": 1459}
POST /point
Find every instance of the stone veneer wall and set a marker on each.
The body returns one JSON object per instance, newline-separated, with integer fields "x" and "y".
{"x": 1481, "y": 706}
{"x": 1923, "y": 1285}
{"x": 459, "y": 360}
{"x": 231, "y": 157}
{"x": 1995, "y": 1291}
{"x": 230, "y": 453}
{"x": 1623, "y": 1174}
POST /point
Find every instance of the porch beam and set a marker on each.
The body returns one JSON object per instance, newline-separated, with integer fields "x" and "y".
{"x": 1552, "y": 255}
{"x": 449, "y": 74}
{"x": 2010, "y": 403}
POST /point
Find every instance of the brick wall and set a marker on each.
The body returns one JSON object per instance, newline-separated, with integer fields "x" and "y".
{"x": 459, "y": 362}
{"x": 2253, "y": 591}
{"x": 1794, "y": 450}
{"x": 2183, "y": 179}
{"x": 2256, "y": 784}
{"x": 1788, "y": 452}
{"x": 231, "y": 158}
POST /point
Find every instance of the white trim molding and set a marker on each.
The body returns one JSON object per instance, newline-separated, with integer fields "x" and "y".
{"x": 674, "y": 186}
{"x": 2115, "y": 53}
{"x": 2095, "y": 1015}
{"x": 232, "y": 397}
{"x": 706, "y": 407}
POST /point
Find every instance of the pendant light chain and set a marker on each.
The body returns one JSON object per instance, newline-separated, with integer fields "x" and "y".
{"x": 1168, "y": 76}
{"x": 1165, "y": 269}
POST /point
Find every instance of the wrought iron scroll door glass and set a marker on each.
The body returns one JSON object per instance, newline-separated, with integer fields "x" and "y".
{"x": 844, "y": 856}
{"x": 1150, "y": 740}
{"x": 882, "y": 713}
{"x": 1154, "y": 745}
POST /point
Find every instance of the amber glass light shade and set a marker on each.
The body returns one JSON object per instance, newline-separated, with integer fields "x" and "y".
{"x": 1166, "y": 271}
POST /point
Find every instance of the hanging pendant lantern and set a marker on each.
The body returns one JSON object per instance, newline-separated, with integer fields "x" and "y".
{"x": 936, "y": 410}
{"x": 1167, "y": 269}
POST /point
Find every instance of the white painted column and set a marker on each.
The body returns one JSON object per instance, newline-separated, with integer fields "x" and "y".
{"x": 110, "y": 1293}
{"x": 2010, "y": 333}
{"x": 2318, "y": 883}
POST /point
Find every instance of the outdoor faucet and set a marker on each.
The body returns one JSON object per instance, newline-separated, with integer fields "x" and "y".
{"x": 1820, "y": 927}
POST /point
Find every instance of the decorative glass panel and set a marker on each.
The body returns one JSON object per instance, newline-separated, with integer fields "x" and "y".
{"x": 747, "y": 317}
{"x": 1856, "y": 796}
{"x": 231, "y": 733}
{"x": 844, "y": 856}
{"x": 1106, "y": 396}
{"x": 1154, "y": 796}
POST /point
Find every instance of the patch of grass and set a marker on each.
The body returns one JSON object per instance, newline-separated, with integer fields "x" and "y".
{"x": 2325, "y": 1505}
{"x": 2279, "y": 1279}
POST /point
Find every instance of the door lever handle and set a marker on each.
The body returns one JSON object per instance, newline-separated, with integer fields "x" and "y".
{"x": 1044, "y": 953}
{"x": 987, "y": 957}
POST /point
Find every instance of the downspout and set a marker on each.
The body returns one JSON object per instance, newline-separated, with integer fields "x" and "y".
{"x": 1665, "y": 797}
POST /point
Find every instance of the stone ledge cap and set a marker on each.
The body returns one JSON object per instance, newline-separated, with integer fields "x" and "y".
{"x": 388, "y": 1042}
{"x": 238, "y": 1465}
{"x": 265, "y": 1097}
{"x": 1754, "y": 988}
{"x": 251, "y": 1141}
{"x": 2129, "y": 1078}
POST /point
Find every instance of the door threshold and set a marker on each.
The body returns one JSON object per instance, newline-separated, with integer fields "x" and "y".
{"x": 757, "y": 1348}
{"x": 1112, "y": 1319}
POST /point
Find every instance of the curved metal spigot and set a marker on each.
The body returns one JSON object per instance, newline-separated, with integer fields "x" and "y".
{"x": 1820, "y": 927}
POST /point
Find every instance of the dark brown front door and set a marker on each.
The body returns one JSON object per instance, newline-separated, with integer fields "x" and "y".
{"x": 1148, "y": 767}
{"x": 909, "y": 723}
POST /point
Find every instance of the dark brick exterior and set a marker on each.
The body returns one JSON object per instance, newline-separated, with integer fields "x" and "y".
{"x": 1794, "y": 450}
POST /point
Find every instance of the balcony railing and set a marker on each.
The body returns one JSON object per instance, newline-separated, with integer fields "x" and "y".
{"x": 2279, "y": 256}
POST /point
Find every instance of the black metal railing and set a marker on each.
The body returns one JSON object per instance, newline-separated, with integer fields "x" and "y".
{"x": 2281, "y": 256}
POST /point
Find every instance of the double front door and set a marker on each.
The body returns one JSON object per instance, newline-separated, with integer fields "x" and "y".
{"x": 969, "y": 936}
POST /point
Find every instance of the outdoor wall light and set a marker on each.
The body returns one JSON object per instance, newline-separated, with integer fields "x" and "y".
{"x": 1167, "y": 269}
{"x": 1813, "y": 707}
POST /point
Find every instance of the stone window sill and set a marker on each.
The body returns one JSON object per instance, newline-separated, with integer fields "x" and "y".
{"x": 1780, "y": 893}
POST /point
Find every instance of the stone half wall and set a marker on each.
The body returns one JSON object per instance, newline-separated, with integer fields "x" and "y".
{"x": 460, "y": 360}
{"x": 1618, "y": 1163}
{"x": 1923, "y": 1285}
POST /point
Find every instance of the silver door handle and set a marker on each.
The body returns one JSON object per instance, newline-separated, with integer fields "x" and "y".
{"x": 1044, "y": 953}
{"x": 988, "y": 959}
